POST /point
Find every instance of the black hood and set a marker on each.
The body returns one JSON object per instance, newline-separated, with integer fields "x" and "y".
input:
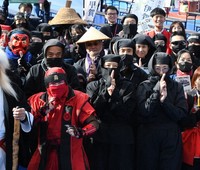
{"x": 52, "y": 42}
{"x": 160, "y": 56}
{"x": 111, "y": 44}
{"x": 122, "y": 43}
{"x": 146, "y": 40}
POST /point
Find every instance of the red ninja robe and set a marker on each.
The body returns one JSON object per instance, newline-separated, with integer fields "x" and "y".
{"x": 59, "y": 150}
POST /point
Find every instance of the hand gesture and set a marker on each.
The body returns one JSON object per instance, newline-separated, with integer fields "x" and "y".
{"x": 111, "y": 88}
{"x": 91, "y": 77}
{"x": 163, "y": 89}
{"x": 93, "y": 69}
{"x": 139, "y": 64}
{"x": 74, "y": 131}
{"x": 21, "y": 61}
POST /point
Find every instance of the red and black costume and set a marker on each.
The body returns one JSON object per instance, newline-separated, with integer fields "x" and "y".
{"x": 54, "y": 112}
{"x": 166, "y": 34}
{"x": 191, "y": 133}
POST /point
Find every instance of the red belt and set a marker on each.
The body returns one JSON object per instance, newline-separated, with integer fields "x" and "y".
{"x": 3, "y": 144}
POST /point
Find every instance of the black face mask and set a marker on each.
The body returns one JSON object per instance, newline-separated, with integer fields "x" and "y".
{"x": 36, "y": 47}
{"x": 54, "y": 62}
{"x": 130, "y": 29}
{"x": 185, "y": 66}
{"x": 76, "y": 38}
{"x": 127, "y": 61}
{"x": 24, "y": 25}
{"x": 2, "y": 21}
{"x": 194, "y": 50}
{"x": 178, "y": 47}
{"x": 106, "y": 72}
{"x": 47, "y": 37}
{"x": 160, "y": 48}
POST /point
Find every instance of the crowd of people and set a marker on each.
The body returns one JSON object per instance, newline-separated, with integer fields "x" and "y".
{"x": 105, "y": 99}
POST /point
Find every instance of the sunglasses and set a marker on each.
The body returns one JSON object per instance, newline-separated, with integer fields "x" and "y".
{"x": 95, "y": 43}
{"x": 178, "y": 43}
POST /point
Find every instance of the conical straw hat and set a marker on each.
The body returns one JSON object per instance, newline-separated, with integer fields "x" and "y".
{"x": 67, "y": 15}
{"x": 92, "y": 34}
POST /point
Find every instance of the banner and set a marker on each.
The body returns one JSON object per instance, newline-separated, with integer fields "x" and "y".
{"x": 26, "y": 1}
{"x": 142, "y": 9}
{"x": 90, "y": 10}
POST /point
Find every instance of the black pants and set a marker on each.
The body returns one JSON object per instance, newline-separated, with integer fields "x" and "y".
{"x": 196, "y": 165}
{"x": 113, "y": 156}
{"x": 158, "y": 148}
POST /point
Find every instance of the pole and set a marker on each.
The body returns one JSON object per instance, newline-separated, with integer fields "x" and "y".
{"x": 68, "y": 3}
{"x": 15, "y": 144}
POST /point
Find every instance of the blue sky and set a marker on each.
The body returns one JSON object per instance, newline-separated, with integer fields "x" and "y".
{"x": 55, "y": 4}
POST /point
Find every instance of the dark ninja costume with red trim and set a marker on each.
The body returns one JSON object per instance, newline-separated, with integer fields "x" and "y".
{"x": 56, "y": 111}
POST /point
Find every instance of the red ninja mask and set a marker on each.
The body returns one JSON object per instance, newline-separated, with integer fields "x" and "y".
{"x": 56, "y": 83}
{"x": 58, "y": 90}
{"x": 19, "y": 42}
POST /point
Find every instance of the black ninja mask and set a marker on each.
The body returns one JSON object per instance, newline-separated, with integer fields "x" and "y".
{"x": 194, "y": 50}
{"x": 2, "y": 21}
{"x": 54, "y": 62}
{"x": 126, "y": 61}
{"x": 178, "y": 45}
{"x": 24, "y": 25}
{"x": 161, "y": 48}
{"x": 130, "y": 29}
{"x": 106, "y": 72}
{"x": 35, "y": 47}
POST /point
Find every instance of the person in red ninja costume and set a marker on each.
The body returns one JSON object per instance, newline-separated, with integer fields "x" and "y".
{"x": 63, "y": 117}
{"x": 19, "y": 57}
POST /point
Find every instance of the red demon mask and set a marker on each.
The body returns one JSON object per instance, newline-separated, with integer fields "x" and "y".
{"x": 19, "y": 42}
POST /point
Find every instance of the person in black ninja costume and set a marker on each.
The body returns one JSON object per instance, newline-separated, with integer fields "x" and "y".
{"x": 53, "y": 51}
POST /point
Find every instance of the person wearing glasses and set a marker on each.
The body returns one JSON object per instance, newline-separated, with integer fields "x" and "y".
{"x": 93, "y": 40}
{"x": 112, "y": 28}
{"x": 161, "y": 105}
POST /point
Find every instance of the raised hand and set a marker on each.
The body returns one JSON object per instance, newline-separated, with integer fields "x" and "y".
{"x": 163, "y": 89}
{"x": 93, "y": 69}
{"x": 111, "y": 88}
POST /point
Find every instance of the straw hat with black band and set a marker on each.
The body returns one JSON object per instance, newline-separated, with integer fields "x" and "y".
{"x": 92, "y": 34}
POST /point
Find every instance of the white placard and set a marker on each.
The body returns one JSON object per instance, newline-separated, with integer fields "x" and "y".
{"x": 185, "y": 81}
{"x": 142, "y": 9}
{"x": 90, "y": 10}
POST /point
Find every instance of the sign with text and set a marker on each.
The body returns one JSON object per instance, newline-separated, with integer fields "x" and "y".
{"x": 142, "y": 9}
{"x": 185, "y": 81}
{"x": 90, "y": 10}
